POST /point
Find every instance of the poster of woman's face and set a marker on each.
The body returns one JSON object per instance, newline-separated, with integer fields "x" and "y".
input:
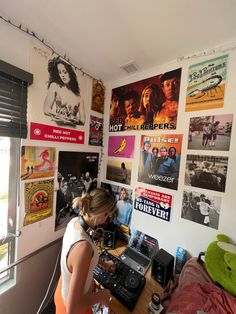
{"x": 210, "y": 132}
{"x": 59, "y": 91}
{"x": 201, "y": 208}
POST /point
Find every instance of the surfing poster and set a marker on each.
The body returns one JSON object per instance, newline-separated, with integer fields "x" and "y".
{"x": 121, "y": 146}
{"x": 119, "y": 171}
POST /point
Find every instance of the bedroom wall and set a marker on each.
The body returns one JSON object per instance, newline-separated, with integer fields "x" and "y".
{"x": 181, "y": 232}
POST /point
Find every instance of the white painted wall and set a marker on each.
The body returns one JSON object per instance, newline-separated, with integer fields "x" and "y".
{"x": 181, "y": 232}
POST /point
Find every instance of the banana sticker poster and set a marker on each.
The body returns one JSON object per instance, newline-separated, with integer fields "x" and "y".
{"x": 38, "y": 201}
{"x": 153, "y": 203}
{"x": 159, "y": 160}
{"x": 119, "y": 171}
{"x": 149, "y": 104}
{"x": 206, "y": 84}
{"x": 121, "y": 146}
{"x": 95, "y": 131}
{"x": 37, "y": 162}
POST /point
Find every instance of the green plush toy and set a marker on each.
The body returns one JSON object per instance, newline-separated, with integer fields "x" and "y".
{"x": 220, "y": 261}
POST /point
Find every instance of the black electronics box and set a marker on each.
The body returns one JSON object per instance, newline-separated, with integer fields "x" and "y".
{"x": 109, "y": 236}
{"x": 162, "y": 267}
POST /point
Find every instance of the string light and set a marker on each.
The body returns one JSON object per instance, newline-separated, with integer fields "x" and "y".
{"x": 33, "y": 34}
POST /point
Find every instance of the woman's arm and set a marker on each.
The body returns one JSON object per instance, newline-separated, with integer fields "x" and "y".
{"x": 78, "y": 263}
{"x": 50, "y": 100}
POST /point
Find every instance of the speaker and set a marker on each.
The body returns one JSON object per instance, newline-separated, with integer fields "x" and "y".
{"x": 162, "y": 267}
{"x": 109, "y": 236}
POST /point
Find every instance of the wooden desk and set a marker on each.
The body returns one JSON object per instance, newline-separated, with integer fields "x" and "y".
{"x": 150, "y": 287}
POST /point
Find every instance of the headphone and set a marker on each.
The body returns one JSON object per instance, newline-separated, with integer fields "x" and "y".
{"x": 94, "y": 234}
{"x": 83, "y": 223}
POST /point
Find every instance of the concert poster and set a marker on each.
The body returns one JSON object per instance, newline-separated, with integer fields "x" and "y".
{"x": 149, "y": 104}
{"x": 121, "y": 146}
{"x": 95, "y": 131}
{"x": 206, "y": 84}
{"x": 206, "y": 172}
{"x": 37, "y": 162}
{"x": 153, "y": 203}
{"x": 210, "y": 132}
{"x": 98, "y": 96}
{"x": 159, "y": 160}
{"x": 119, "y": 171}
{"x": 201, "y": 208}
{"x": 38, "y": 201}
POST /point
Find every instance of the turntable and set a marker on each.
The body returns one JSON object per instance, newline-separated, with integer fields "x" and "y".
{"x": 125, "y": 283}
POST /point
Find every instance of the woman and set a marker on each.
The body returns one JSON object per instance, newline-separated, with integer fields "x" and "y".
{"x": 149, "y": 102}
{"x": 63, "y": 101}
{"x": 79, "y": 257}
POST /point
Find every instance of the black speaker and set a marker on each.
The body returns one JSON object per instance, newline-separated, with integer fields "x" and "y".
{"x": 162, "y": 267}
{"x": 109, "y": 236}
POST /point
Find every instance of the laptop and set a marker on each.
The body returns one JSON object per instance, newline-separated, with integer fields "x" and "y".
{"x": 139, "y": 252}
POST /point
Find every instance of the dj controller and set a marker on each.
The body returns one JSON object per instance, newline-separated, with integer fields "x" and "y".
{"x": 124, "y": 283}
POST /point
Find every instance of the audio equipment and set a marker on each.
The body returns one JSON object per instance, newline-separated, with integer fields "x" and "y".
{"x": 162, "y": 267}
{"x": 109, "y": 236}
{"x": 125, "y": 283}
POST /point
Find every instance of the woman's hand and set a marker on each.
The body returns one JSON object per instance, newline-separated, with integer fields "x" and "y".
{"x": 104, "y": 296}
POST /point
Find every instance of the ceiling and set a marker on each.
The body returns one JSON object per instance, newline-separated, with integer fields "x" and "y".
{"x": 102, "y": 35}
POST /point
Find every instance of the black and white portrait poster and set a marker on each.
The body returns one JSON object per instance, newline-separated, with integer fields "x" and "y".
{"x": 201, "y": 208}
{"x": 210, "y": 132}
{"x": 206, "y": 172}
{"x": 77, "y": 174}
{"x": 59, "y": 94}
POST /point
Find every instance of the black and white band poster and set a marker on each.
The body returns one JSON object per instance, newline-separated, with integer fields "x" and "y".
{"x": 160, "y": 160}
{"x": 149, "y": 104}
{"x": 153, "y": 203}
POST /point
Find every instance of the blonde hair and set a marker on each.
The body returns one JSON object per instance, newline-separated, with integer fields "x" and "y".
{"x": 98, "y": 201}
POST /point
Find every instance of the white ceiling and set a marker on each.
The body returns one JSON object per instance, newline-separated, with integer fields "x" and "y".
{"x": 102, "y": 35}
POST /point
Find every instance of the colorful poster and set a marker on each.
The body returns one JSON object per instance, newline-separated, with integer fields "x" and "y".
{"x": 160, "y": 160}
{"x": 206, "y": 84}
{"x": 95, "y": 131}
{"x": 210, "y": 132}
{"x": 149, "y": 104}
{"x": 77, "y": 173}
{"x": 37, "y": 162}
{"x": 153, "y": 203}
{"x": 38, "y": 201}
{"x": 121, "y": 146}
{"x": 206, "y": 172}
{"x": 43, "y": 132}
{"x": 60, "y": 91}
{"x": 119, "y": 171}
{"x": 201, "y": 208}
{"x": 98, "y": 96}
{"x": 124, "y": 205}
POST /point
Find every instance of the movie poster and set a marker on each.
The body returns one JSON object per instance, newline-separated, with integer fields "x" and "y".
{"x": 206, "y": 84}
{"x": 149, "y": 104}
{"x": 98, "y": 96}
{"x": 153, "y": 203}
{"x": 38, "y": 201}
{"x": 60, "y": 91}
{"x": 37, "y": 162}
{"x": 95, "y": 131}
{"x": 119, "y": 171}
{"x": 210, "y": 132}
{"x": 124, "y": 205}
{"x": 201, "y": 208}
{"x": 121, "y": 146}
{"x": 206, "y": 172}
{"x": 77, "y": 173}
{"x": 159, "y": 160}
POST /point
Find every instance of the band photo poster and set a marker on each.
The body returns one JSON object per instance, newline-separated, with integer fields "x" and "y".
{"x": 77, "y": 174}
{"x": 149, "y": 104}
{"x": 60, "y": 92}
{"x": 95, "y": 131}
{"x": 159, "y": 160}
{"x": 206, "y": 84}
{"x": 210, "y": 132}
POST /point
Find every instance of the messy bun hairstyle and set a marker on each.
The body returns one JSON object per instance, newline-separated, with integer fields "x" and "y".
{"x": 98, "y": 201}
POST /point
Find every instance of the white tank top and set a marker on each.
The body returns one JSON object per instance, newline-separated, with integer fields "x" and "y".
{"x": 72, "y": 236}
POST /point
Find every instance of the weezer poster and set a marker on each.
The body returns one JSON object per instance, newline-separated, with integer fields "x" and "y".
{"x": 159, "y": 160}
{"x": 38, "y": 201}
{"x": 153, "y": 203}
{"x": 206, "y": 84}
{"x": 149, "y": 104}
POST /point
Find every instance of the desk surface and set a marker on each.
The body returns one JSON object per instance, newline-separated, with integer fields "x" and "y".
{"x": 150, "y": 287}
